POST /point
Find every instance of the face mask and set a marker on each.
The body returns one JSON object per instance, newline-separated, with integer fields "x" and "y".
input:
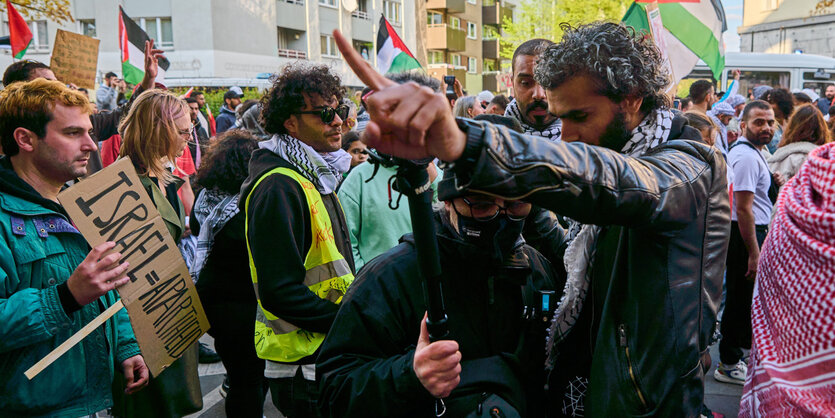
{"x": 497, "y": 237}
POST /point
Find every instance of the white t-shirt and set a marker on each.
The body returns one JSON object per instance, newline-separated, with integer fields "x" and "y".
{"x": 751, "y": 175}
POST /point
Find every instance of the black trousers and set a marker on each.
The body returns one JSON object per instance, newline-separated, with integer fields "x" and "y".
{"x": 233, "y": 328}
{"x": 739, "y": 291}
{"x": 295, "y": 397}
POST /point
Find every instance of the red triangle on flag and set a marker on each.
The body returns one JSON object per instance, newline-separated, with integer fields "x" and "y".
{"x": 19, "y": 34}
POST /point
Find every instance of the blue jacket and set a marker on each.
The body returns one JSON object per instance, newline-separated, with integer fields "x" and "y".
{"x": 39, "y": 250}
{"x": 225, "y": 120}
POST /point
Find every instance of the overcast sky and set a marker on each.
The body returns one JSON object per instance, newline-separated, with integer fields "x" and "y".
{"x": 733, "y": 14}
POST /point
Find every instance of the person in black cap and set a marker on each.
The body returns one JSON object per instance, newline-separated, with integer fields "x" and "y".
{"x": 377, "y": 355}
{"x": 226, "y": 119}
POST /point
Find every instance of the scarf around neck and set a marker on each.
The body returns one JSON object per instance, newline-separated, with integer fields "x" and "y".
{"x": 213, "y": 209}
{"x": 552, "y": 131}
{"x": 324, "y": 169}
{"x": 651, "y": 132}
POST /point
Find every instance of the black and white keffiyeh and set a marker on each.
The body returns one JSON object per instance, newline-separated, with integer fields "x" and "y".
{"x": 324, "y": 170}
{"x": 213, "y": 209}
{"x": 552, "y": 131}
{"x": 651, "y": 132}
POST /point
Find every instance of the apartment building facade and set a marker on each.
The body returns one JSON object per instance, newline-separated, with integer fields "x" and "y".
{"x": 786, "y": 26}
{"x": 209, "y": 40}
{"x": 462, "y": 39}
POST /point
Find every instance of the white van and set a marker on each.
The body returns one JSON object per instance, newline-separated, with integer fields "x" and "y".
{"x": 792, "y": 71}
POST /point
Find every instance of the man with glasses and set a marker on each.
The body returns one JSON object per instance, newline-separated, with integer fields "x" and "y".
{"x": 297, "y": 236}
{"x": 378, "y": 354}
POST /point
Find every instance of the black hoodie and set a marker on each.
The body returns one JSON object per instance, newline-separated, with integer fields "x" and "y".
{"x": 279, "y": 236}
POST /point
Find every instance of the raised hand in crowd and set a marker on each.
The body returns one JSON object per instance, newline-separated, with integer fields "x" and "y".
{"x": 152, "y": 57}
{"x": 407, "y": 120}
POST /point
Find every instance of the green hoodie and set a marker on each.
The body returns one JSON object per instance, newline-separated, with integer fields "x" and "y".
{"x": 39, "y": 250}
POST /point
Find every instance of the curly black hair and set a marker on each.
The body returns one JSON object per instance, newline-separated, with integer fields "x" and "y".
{"x": 226, "y": 164}
{"x": 286, "y": 97}
{"x": 782, "y": 99}
{"x": 621, "y": 62}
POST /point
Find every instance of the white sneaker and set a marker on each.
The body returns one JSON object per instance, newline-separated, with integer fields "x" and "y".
{"x": 734, "y": 374}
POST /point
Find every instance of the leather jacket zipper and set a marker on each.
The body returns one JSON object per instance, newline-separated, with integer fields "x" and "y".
{"x": 623, "y": 343}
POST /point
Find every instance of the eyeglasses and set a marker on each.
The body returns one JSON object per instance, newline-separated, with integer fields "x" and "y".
{"x": 328, "y": 113}
{"x": 515, "y": 210}
{"x": 186, "y": 132}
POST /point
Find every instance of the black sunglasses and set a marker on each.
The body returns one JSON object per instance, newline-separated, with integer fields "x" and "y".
{"x": 327, "y": 113}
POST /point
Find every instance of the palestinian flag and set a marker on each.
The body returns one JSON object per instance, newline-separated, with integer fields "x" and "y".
{"x": 392, "y": 54}
{"x": 20, "y": 37}
{"x": 692, "y": 30}
{"x": 132, "y": 43}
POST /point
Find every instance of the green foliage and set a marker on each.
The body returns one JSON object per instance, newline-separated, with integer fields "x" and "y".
{"x": 542, "y": 18}
{"x": 214, "y": 95}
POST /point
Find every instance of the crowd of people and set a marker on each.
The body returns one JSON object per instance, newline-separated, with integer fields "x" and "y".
{"x": 595, "y": 237}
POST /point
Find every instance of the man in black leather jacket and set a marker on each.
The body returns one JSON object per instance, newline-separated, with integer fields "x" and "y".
{"x": 649, "y": 202}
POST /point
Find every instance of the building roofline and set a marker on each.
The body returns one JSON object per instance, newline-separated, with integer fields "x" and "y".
{"x": 788, "y": 23}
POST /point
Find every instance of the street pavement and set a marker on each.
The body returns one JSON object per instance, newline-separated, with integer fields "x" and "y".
{"x": 721, "y": 398}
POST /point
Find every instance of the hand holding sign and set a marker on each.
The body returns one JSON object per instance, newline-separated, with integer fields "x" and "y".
{"x": 97, "y": 274}
{"x": 407, "y": 120}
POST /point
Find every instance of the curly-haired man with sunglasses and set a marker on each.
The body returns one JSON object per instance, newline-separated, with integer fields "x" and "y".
{"x": 296, "y": 233}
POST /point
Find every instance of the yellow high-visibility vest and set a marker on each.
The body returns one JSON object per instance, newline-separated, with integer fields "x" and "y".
{"x": 328, "y": 275}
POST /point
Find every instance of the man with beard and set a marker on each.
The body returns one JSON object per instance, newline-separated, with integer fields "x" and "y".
{"x": 751, "y": 215}
{"x": 296, "y": 233}
{"x": 825, "y": 102}
{"x": 702, "y": 94}
{"x": 529, "y": 106}
{"x": 378, "y": 355}
{"x": 649, "y": 202}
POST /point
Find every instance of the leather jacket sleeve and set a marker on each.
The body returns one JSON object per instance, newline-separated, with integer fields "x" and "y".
{"x": 594, "y": 185}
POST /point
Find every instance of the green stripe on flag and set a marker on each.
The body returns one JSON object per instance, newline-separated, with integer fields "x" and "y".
{"x": 132, "y": 74}
{"x": 698, "y": 37}
{"x": 686, "y": 28}
{"x": 403, "y": 62}
{"x": 23, "y": 51}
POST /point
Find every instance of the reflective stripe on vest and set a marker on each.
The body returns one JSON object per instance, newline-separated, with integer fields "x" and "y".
{"x": 328, "y": 275}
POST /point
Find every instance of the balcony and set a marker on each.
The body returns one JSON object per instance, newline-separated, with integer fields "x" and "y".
{"x": 451, "y": 6}
{"x": 491, "y": 48}
{"x": 292, "y": 54}
{"x": 291, "y": 14}
{"x": 443, "y": 36}
{"x": 359, "y": 14}
{"x": 438, "y": 71}
{"x": 489, "y": 81}
{"x": 492, "y": 13}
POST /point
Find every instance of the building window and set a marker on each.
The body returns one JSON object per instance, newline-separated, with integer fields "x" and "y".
{"x": 771, "y": 4}
{"x": 436, "y": 57}
{"x": 158, "y": 29}
{"x": 456, "y": 60}
{"x": 455, "y": 22}
{"x": 329, "y": 48}
{"x": 433, "y": 18}
{"x": 472, "y": 1}
{"x": 471, "y": 30}
{"x": 472, "y": 62}
{"x": 331, "y": 3}
{"x": 40, "y": 37}
{"x": 392, "y": 11}
{"x": 87, "y": 27}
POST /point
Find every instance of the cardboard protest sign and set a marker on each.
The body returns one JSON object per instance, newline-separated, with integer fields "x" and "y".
{"x": 161, "y": 299}
{"x": 75, "y": 59}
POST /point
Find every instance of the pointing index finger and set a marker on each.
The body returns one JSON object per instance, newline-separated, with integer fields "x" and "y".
{"x": 359, "y": 66}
